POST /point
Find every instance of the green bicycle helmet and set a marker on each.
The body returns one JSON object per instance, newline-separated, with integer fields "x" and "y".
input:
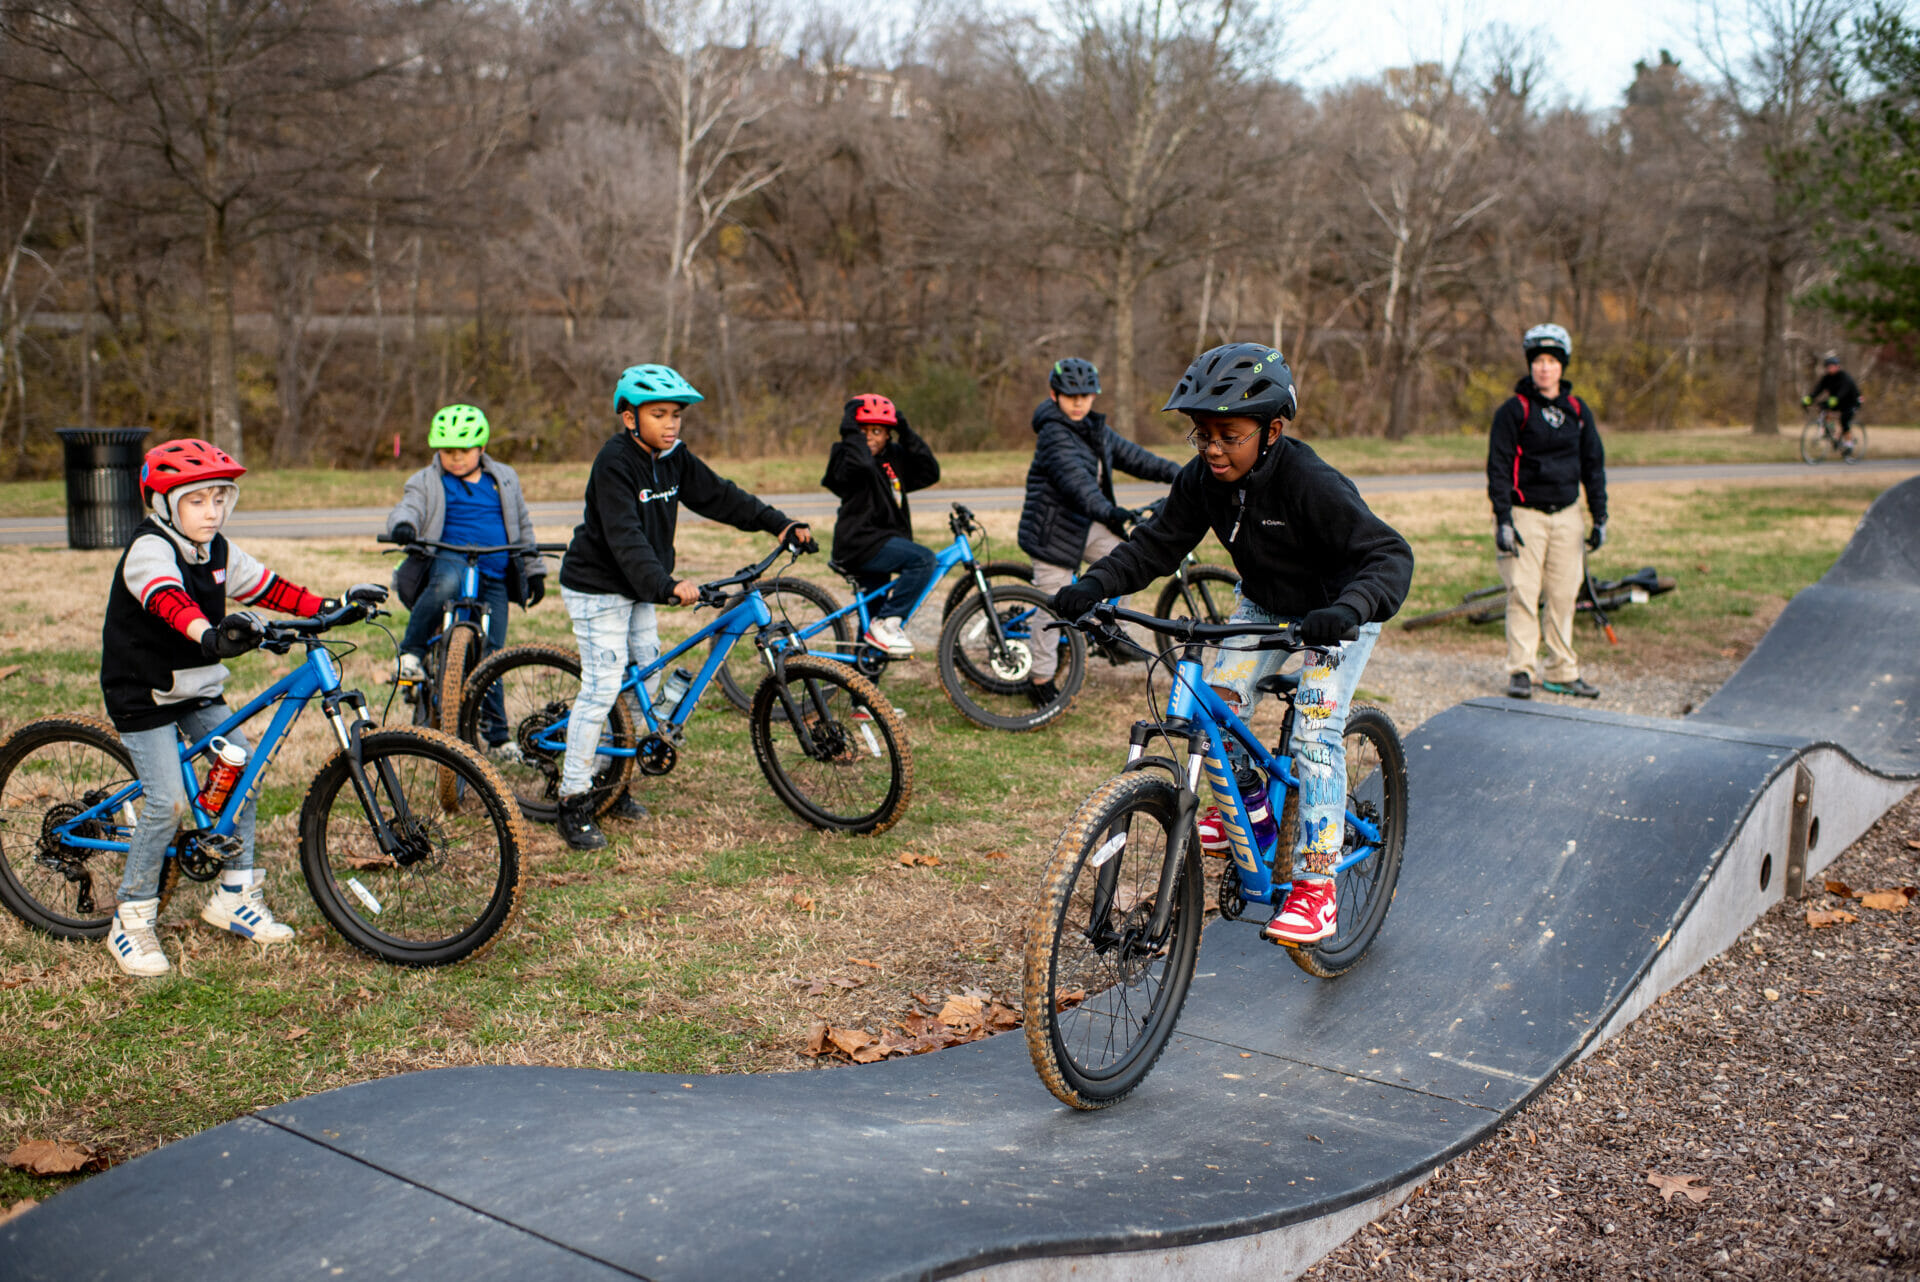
{"x": 642, "y": 383}
{"x": 458, "y": 427}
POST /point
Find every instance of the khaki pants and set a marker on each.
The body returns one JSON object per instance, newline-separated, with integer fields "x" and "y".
{"x": 1548, "y": 566}
{"x": 1050, "y": 578}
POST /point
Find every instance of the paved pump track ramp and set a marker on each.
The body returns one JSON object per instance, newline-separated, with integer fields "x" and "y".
{"x": 1286, "y": 1113}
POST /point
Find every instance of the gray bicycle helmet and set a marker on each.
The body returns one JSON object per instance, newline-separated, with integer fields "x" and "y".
{"x": 1248, "y": 379}
{"x": 1074, "y": 377}
{"x": 1547, "y": 338}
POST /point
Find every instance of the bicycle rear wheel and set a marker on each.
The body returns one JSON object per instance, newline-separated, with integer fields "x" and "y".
{"x": 854, "y": 773}
{"x": 988, "y": 681}
{"x": 537, "y": 685}
{"x": 794, "y": 601}
{"x": 1815, "y": 445}
{"x": 1205, "y": 593}
{"x": 51, "y": 770}
{"x": 458, "y": 658}
{"x": 452, "y": 884}
{"x": 1101, "y": 997}
{"x": 1859, "y": 451}
{"x": 1377, "y": 792}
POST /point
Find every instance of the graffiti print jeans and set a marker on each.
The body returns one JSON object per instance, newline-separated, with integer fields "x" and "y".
{"x": 1318, "y": 744}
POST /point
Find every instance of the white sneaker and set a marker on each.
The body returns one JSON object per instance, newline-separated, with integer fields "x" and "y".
{"x": 506, "y": 753}
{"x": 890, "y": 635}
{"x": 239, "y": 904}
{"x": 410, "y": 669}
{"x": 132, "y": 940}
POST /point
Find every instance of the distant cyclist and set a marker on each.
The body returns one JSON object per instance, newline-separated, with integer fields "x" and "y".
{"x": 1836, "y": 391}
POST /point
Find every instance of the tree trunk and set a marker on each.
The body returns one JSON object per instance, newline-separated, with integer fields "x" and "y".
{"x": 1773, "y": 325}
{"x": 1120, "y": 403}
{"x": 223, "y": 384}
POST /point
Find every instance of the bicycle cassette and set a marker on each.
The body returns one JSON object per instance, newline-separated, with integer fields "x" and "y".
{"x": 656, "y": 755}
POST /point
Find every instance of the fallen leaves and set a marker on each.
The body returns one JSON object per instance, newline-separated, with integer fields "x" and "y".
{"x": 1888, "y": 901}
{"x": 21, "y": 1207}
{"x": 1892, "y": 900}
{"x": 912, "y": 860}
{"x": 802, "y": 903}
{"x": 1672, "y": 1184}
{"x": 50, "y": 1157}
{"x": 962, "y": 1018}
{"x": 1819, "y": 918}
{"x": 9, "y": 670}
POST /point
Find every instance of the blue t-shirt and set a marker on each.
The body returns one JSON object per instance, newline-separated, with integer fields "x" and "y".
{"x": 473, "y": 518}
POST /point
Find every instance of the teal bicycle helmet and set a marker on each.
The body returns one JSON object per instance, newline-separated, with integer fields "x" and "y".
{"x": 458, "y": 427}
{"x": 642, "y": 383}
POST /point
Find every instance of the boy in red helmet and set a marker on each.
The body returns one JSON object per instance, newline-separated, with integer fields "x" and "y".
{"x": 167, "y": 630}
{"x": 876, "y": 463}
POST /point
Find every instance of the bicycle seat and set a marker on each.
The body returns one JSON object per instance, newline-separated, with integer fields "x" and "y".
{"x": 1278, "y": 683}
{"x": 844, "y": 571}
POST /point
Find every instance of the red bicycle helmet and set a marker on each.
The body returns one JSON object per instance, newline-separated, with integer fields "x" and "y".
{"x": 871, "y": 407}
{"x": 179, "y": 465}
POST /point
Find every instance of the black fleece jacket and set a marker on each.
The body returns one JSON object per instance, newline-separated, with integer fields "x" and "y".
{"x": 1541, "y": 455}
{"x": 1840, "y": 386}
{"x": 873, "y": 488}
{"x": 1298, "y": 531}
{"x": 1070, "y": 481}
{"x": 624, "y": 542}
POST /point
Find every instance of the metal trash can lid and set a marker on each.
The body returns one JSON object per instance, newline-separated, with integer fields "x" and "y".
{"x": 101, "y": 435}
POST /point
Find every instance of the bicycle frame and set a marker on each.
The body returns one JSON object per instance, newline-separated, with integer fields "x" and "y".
{"x": 959, "y": 552}
{"x": 467, "y": 607}
{"x": 1206, "y": 721}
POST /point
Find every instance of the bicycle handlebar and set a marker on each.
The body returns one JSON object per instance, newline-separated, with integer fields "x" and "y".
{"x": 470, "y": 550}
{"x": 1273, "y": 636}
{"x": 714, "y": 594}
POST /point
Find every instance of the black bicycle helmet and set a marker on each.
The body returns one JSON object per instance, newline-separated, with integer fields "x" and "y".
{"x": 1249, "y": 379}
{"x": 1074, "y": 377}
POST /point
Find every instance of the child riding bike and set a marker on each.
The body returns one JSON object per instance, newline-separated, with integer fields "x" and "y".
{"x": 463, "y": 496}
{"x": 1308, "y": 549}
{"x": 875, "y": 464}
{"x": 167, "y": 630}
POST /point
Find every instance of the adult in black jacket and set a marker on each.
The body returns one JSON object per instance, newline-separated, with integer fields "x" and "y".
{"x": 1542, "y": 449}
{"x": 875, "y": 464}
{"x": 1836, "y": 391}
{"x": 1070, "y": 514}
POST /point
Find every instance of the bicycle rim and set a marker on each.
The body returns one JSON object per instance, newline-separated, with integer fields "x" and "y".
{"x": 854, "y": 773}
{"x": 537, "y": 685}
{"x": 1101, "y": 998}
{"x": 454, "y": 883}
{"x": 1377, "y": 791}
{"x": 987, "y": 680}
{"x": 51, "y": 770}
{"x": 793, "y": 601}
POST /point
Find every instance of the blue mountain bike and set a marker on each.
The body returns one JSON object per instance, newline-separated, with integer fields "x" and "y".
{"x": 830, "y": 746}
{"x": 1112, "y": 941}
{"x": 397, "y": 871}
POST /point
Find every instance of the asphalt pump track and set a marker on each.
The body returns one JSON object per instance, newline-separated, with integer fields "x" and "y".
{"x": 1564, "y": 868}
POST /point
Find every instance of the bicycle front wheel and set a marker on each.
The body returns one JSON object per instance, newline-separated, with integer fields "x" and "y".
{"x": 1815, "y": 445}
{"x": 1101, "y": 991}
{"x": 794, "y": 601}
{"x": 852, "y": 771}
{"x": 535, "y": 687}
{"x": 51, "y": 770}
{"x": 1376, "y": 792}
{"x": 988, "y": 679}
{"x": 1205, "y": 593}
{"x": 450, "y": 882}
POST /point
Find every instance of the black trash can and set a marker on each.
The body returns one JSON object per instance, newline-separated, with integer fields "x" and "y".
{"x": 103, "y": 485}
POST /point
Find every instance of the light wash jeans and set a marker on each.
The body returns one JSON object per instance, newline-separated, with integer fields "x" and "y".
{"x": 163, "y": 801}
{"x": 1320, "y": 706}
{"x": 612, "y": 630}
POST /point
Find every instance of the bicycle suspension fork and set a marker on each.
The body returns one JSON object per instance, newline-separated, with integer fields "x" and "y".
{"x": 1186, "y": 807}
{"x": 348, "y": 730}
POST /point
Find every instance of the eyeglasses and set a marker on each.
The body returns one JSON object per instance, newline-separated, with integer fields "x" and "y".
{"x": 1225, "y": 444}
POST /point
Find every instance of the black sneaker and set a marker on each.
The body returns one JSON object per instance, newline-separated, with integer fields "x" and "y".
{"x": 576, "y": 825}
{"x": 627, "y": 807}
{"x": 1519, "y": 686}
{"x": 1043, "y": 693}
{"x": 1577, "y": 687}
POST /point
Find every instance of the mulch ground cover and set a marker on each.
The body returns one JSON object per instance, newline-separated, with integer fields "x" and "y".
{"x": 1759, "y": 1121}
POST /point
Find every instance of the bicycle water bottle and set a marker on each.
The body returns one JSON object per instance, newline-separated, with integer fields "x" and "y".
{"x": 1253, "y": 790}
{"x": 674, "y": 689}
{"x": 228, "y": 758}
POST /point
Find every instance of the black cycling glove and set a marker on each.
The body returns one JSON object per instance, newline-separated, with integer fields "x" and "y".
{"x": 1076, "y": 599}
{"x": 232, "y": 636}
{"x": 536, "y": 590}
{"x": 404, "y": 532}
{"x": 1328, "y": 626}
{"x": 1597, "y": 539}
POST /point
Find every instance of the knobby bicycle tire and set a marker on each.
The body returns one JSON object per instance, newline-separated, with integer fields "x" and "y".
{"x": 848, "y": 720}
{"x": 1008, "y": 571}
{"x": 457, "y": 885}
{"x": 997, "y": 697}
{"x": 1101, "y": 1002}
{"x": 1376, "y": 789}
{"x": 1469, "y": 605}
{"x": 459, "y": 656}
{"x": 740, "y": 675}
{"x": 539, "y": 684}
{"x": 1212, "y": 588}
{"x": 49, "y": 768}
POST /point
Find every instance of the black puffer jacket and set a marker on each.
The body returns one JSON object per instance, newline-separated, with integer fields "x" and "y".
{"x": 1540, "y": 455}
{"x": 1070, "y": 481}
{"x": 1298, "y": 531}
{"x": 873, "y": 488}
{"x": 1840, "y": 386}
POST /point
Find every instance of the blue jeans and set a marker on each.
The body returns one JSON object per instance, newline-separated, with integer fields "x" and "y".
{"x": 163, "y": 801}
{"x": 612, "y": 631}
{"x": 912, "y": 562}
{"x": 1318, "y": 745}
{"x": 423, "y": 625}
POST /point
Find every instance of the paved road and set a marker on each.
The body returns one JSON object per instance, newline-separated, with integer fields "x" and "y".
{"x": 818, "y": 505}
